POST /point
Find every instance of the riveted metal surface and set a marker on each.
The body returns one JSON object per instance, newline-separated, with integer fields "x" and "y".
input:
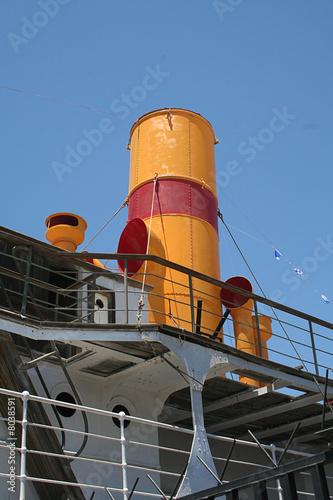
{"x": 166, "y": 147}
{"x": 180, "y": 206}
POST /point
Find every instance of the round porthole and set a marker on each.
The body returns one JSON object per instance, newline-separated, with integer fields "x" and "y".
{"x": 118, "y": 409}
{"x": 66, "y": 398}
{"x": 99, "y": 303}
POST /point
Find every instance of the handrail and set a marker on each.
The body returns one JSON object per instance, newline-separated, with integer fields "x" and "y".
{"x": 201, "y": 276}
{"x": 82, "y": 259}
{"x": 122, "y": 440}
{"x": 284, "y": 472}
{"x": 70, "y": 298}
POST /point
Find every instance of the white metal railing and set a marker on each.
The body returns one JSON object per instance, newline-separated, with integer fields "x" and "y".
{"x": 26, "y": 288}
{"x": 124, "y": 442}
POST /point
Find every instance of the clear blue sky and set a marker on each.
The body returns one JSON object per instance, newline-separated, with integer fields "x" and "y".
{"x": 259, "y": 70}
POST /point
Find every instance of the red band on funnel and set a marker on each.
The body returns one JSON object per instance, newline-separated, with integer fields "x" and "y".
{"x": 174, "y": 196}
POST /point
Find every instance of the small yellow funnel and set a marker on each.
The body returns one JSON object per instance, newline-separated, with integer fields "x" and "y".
{"x": 245, "y": 334}
{"x": 265, "y": 328}
{"x": 241, "y": 312}
{"x": 65, "y": 230}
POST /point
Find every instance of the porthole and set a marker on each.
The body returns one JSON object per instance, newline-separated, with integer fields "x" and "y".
{"x": 66, "y": 398}
{"x": 99, "y": 303}
{"x": 118, "y": 409}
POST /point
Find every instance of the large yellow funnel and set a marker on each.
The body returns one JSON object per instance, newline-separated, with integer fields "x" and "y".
{"x": 178, "y": 146}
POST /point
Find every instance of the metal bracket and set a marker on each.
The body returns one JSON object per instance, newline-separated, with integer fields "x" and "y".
{"x": 263, "y": 449}
{"x": 228, "y": 459}
{"x": 221, "y": 323}
{"x": 179, "y": 481}
{"x": 134, "y": 486}
{"x": 157, "y": 487}
{"x": 198, "y": 320}
{"x": 274, "y": 462}
{"x": 111, "y": 496}
{"x": 210, "y": 470}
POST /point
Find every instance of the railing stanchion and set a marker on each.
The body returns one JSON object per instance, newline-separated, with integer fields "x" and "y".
{"x": 126, "y": 290}
{"x": 123, "y": 454}
{"x": 257, "y": 327}
{"x": 313, "y": 348}
{"x": 91, "y": 301}
{"x": 278, "y": 482}
{"x": 23, "y": 475}
{"x": 56, "y": 306}
{"x": 191, "y": 302}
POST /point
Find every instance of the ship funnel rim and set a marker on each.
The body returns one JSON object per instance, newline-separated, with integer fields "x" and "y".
{"x": 65, "y": 218}
{"x": 170, "y": 111}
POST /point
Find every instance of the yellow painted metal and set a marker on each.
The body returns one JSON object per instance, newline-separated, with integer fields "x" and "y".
{"x": 98, "y": 263}
{"x": 154, "y": 274}
{"x": 65, "y": 230}
{"x": 246, "y": 335}
{"x": 193, "y": 243}
{"x": 174, "y": 143}
{"x": 265, "y": 328}
{"x": 179, "y": 144}
{"x": 246, "y": 339}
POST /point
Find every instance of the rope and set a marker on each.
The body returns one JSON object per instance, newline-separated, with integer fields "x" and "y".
{"x": 141, "y": 303}
{"x": 219, "y": 214}
{"x": 117, "y": 212}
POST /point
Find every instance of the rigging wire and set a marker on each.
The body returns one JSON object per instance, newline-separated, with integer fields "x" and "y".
{"x": 247, "y": 218}
{"x": 269, "y": 243}
{"x": 295, "y": 269}
{"x": 67, "y": 102}
{"x": 117, "y": 212}
{"x": 239, "y": 250}
{"x": 141, "y": 304}
{"x": 251, "y": 236}
{"x": 249, "y": 268}
{"x": 229, "y": 255}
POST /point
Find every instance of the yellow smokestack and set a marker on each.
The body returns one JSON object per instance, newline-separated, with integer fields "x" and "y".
{"x": 245, "y": 325}
{"x": 241, "y": 311}
{"x": 178, "y": 146}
